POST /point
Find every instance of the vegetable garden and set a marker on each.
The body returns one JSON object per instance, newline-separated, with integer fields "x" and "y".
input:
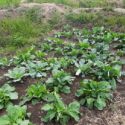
{"x": 72, "y": 70}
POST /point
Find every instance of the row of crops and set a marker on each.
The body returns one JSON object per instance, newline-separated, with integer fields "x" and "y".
{"x": 93, "y": 57}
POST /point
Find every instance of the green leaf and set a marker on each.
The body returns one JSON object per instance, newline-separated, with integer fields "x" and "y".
{"x": 13, "y": 95}
{"x": 15, "y": 115}
{"x": 90, "y": 102}
{"x": 73, "y": 110}
{"x": 49, "y": 116}
{"x": 78, "y": 72}
{"x": 66, "y": 89}
{"x": 82, "y": 101}
{"x": 8, "y": 87}
{"x": 100, "y": 104}
{"x": 59, "y": 101}
{"x": 49, "y": 97}
{"x": 7, "y": 94}
{"x": 1, "y": 106}
{"x": 113, "y": 84}
{"x": 75, "y": 106}
{"x": 79, "y": 92}
{"x": 47, "y": 107}
{"x": 4, "y": 120}
{"x": 74, "y": 115}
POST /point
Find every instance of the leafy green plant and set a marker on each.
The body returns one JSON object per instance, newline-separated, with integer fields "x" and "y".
{"x": 45, "y": 47}
{"x": 84, "y": 45}
{"x": 65, "y": 34}
{"x": 94, "y": 94}
{"x": 65, "y": 62}
{"x": 59, "y": 51}
{"x": 75, "y": 52}
{"x": 39, "y": 54}
{"x": 59, "y": 63}
{"x": 7, "y": 94}
{"x": 16, "y": 115}
{"x": 37, "y": 92}
{"x": 97, "y": 69}
{"x": 60, "y": 112}
{"x": 36, "y": 68}
{"x": 111, "y": 72}
{"x": 83, "y": 67}
{"x": 3, "y": 62}
{"x": 60, "y": 80}
{"x": 16, "y": 74}
{"x": 24, "y": 56}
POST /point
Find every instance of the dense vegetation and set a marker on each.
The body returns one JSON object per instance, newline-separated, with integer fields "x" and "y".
{"x": 9, "y": 3}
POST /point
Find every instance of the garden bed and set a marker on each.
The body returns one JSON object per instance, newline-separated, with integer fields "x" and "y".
{"x": 78, "y": 66}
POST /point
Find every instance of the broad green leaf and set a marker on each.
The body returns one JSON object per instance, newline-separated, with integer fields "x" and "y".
{"x": 90, "y": 102}
{"x": 13, "y": 95}
{"x": 66, "y": 89}
{"x": 4, "y": 120}
{"x": 74, "y": 115}
{"x": 100, "y": 103}
{"x": 49, "y": 116}
{"x": 78, "y": 72}
{"x": 47, "y": 107}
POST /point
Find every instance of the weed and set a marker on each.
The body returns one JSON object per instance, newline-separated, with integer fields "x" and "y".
{"x": 82, "y": 17}
{"x": 9, "y": 3}
{"x": 18, "y": 32}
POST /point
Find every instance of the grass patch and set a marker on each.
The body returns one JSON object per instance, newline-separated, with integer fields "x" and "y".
{"x": 17, "y": 32}
{"x": 97, "y": 19}
{"x": 82, "y": 17}
{"x": 9, "y": 3}
{"x": 21, "y": 32}
{"x": 124, "y": 3}
{"x": 93, "y": 3}
{"x": 76, "y": 3}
